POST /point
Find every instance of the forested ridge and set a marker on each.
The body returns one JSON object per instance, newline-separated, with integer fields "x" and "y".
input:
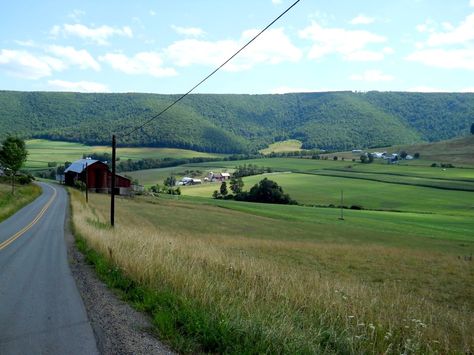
{"x": 240, "y": 123}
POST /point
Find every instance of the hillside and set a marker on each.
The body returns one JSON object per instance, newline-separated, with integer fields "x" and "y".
{"x": 239, "y": 123}
{"x": 455, "y": 151}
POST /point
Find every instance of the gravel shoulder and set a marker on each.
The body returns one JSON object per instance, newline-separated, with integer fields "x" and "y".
{"x": 118, "y": 328}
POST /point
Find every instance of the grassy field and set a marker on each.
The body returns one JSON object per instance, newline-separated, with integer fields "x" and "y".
{"x": 458, "y": 151}
{"x": 238, "y": 277}
{"x": 23, "y": 195}
{"x": 326, "y": 190}
{"x": 290, "y": 145}
{"x": 41, "y": 151}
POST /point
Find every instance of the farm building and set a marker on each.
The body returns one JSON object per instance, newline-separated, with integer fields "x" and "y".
{"x": 218, "y": 176}
{"x": 99, "y": 177}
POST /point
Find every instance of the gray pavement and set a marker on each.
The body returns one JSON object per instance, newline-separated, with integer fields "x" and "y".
{"x": 41, "y": 311}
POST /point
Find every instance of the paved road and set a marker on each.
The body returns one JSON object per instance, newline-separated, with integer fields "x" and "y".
{"x": 41, "y": 311}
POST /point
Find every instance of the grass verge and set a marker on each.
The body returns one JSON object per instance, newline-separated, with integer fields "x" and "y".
{"x": 9, "y": 203}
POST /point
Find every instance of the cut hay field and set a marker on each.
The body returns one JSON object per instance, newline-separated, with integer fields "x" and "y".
{"x": 41, "y": 151}
{"x": 290, "y": 145}
{"x": 233, "y": 277}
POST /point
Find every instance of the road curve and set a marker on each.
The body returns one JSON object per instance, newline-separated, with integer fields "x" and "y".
{"x": 41, "y": 311}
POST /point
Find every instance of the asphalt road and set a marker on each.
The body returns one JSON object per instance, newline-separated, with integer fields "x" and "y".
{"x": 41, "y": 311}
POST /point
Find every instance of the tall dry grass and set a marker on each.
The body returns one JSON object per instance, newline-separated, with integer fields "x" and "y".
{"x": 294, "y": 306}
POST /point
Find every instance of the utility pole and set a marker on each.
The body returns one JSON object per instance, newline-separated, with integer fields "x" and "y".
{"x": 87, "y": 186}
{"x": 342, "y": 206}
{"x": 112, "y": 193}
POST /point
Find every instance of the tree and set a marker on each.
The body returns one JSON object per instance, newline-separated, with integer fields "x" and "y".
{"x": 13, "y": 155}
{"x": 170, "y": 181}
{"x": 403, "y": 154}
{"x": 267, "y": 191}
{"x": 236, "y": 185}
{"x": 472, "y": 128}
{"x": 223, "y": 189}
{"x": 416, "y": 155}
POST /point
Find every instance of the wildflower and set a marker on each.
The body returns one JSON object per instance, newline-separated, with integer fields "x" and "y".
{"x": 360, "y": 324}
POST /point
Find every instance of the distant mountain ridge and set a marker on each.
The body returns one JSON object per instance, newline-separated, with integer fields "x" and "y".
{"x": 228, "y": 123}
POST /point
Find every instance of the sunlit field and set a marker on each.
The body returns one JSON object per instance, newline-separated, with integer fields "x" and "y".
{"x": 41, "y": 151}
{"x": 292, "y": 279}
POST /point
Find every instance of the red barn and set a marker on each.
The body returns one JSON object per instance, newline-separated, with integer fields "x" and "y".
{"x": 99, "y": 177}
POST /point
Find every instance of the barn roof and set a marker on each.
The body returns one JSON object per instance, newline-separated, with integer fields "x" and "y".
{"x": 79, "y": 165}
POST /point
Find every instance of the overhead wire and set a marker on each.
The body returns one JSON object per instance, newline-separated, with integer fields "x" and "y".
{"x": 208, "y": 76}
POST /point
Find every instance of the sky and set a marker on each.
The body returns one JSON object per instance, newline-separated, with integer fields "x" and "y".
{"x": 169, "y": 46}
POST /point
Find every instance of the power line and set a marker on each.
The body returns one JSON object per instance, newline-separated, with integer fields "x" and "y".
{"x": 208, "y": 76}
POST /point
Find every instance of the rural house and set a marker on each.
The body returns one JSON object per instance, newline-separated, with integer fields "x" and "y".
{"x": 218, "y": 176}
{"x": 99, "y": 177}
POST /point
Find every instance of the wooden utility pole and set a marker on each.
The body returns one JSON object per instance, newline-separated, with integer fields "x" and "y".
{"x": 87, "y": 186}
{"x": 112, "y": 193}
{"x": 342, "y": 206}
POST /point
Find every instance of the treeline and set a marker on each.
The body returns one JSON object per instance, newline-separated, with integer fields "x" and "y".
{"x": 239, "y": 123}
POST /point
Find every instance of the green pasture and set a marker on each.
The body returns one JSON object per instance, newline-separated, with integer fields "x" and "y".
{"x": 290, "y": 145}
{"x": 326, "y": 190}
{"x": 41, "y": 151}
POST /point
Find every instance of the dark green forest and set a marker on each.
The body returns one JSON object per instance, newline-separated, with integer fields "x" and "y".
{"x": 239, "y": 123}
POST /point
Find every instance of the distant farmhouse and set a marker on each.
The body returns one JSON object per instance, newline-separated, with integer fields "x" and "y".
{"x": 215, "y": 177}
{"x": 99, "y": 177}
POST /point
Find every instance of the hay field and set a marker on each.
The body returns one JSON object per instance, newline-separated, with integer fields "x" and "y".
{"x": 289, "y": 279}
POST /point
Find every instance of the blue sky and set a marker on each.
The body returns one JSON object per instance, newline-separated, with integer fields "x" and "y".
{"x": 168, "y": 46}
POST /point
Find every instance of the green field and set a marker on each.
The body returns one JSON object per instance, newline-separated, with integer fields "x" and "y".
{"x": 288, "y": 277}
{"x": 290, "y": 145}
{"x": 41, "y": 151}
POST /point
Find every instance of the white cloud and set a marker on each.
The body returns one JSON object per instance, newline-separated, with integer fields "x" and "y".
{"x": 462, "y": 34}
{"x": 28, "y": 43}
{"x": 277, "y": 2}
{"x": 152, "y": 13}
{"x": 143, "y": 63}
{"x": 98, "y": 35}
{"x": 362, "y": 20}
{"x": 24, "y": 65}
{"x": 188, "y": 31}
{"x": 445, "y": 58}
{"x": 76, "y": 15}
{"x": 352, "y": 45}
{"x": 372, "y": 76}
{"x": 71, "y": 56}
{"x": 272, "y": 47}
{"x": 471, "y": 3}
{"x": 81, "y": 86}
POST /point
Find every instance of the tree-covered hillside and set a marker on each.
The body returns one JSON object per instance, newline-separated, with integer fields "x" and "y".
{"x": 239, "y": 123}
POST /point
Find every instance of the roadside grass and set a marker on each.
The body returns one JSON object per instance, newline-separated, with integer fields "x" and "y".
{"x": 219, "y": 280}
{"x": 41, "y": 151}
{"x": 326, "y": 190}
{"x": 290, "y": 145}
{"x": 9, "y": 204}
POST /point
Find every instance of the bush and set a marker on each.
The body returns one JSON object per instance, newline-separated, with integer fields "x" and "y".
{"x": 356, "y": 207}
{"x": 434, "y": 165}
{"x": 25, "y": 179}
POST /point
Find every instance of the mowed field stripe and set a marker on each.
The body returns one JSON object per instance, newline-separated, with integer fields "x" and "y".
{"x": 17, "y": 235}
